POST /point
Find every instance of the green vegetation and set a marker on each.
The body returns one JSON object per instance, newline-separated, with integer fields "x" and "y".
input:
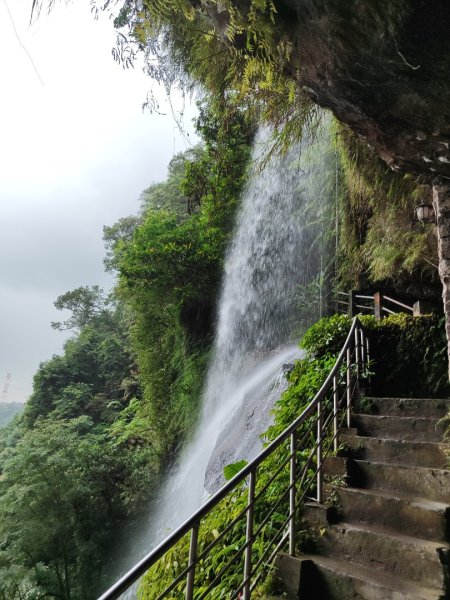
{"x": 170, "y": 272}
{"x": 229, "y": 49}
{"x": 105, "y": 417}
{"x": 380, "y": 240}
{"x": 67, "y": 481}
{"x": 305, "y": 380}
{"x": 8, "y": 410}
{"x": 408, "y": 353}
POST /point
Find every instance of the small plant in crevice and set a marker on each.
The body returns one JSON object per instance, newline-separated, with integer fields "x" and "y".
{"x": 358, "y": 452}
{"x": 336, "y": 480}
{"x": 309, "y": 538}
{"x": 334, "y": 501}
{"x": 343, "y": 449}
{"x": 446, "y": 422}
{"x": 365, "y": 404}
{"x": 271, "y": 586}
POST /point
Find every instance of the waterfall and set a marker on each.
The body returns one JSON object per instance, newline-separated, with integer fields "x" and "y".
{"x": 275, "y": 251}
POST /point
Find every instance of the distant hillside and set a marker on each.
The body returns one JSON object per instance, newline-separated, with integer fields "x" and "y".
{"x": 8, "y": 411}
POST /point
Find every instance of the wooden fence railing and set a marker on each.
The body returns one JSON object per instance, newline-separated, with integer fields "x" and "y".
{"x": 378, "y": 304}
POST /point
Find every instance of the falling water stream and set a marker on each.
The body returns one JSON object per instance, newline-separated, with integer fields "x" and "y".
{"x": 256, "y": 328}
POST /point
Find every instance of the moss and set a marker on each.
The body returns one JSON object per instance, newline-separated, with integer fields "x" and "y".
{"x": 380, "y": 240}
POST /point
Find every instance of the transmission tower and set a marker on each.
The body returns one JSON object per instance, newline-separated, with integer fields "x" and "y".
{"x": 6, "y": 388}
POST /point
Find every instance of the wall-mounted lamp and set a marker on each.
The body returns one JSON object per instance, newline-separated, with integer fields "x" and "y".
{"x": 425, "y": 213}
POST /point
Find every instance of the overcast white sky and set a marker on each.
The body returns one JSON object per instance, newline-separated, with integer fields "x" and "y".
{"x": 75, "y": 154}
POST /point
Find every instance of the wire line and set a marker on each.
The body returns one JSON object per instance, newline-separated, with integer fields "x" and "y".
{"x": 21, "y": 43}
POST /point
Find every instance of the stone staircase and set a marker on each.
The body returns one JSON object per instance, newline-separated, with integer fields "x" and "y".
{"x": 384, "y": 533}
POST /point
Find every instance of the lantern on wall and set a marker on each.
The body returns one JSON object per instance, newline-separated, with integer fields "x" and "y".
{"x": 425, "y": 213}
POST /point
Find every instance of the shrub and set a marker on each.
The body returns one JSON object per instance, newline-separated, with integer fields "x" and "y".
{"x": 409, "y": 353}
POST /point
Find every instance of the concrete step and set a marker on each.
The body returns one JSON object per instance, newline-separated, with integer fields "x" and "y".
{"x": 406, "y": 452}
{"x": 402, "y": 480}
{"x": 402, "y": 556}
{"x": 419, "y": 429}
{"x": 324, "y": 578}
{"x": 336, "y": 467}
{"x": 406, "y": 407}
{"x": 418, "y": 518}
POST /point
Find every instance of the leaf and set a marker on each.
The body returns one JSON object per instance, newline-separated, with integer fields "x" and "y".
{"x": 230, "y": 471}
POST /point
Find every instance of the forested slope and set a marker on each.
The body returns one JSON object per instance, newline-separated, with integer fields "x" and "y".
{"x": 86, "y": 456}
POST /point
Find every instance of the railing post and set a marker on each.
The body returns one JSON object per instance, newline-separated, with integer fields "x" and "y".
{"x": 363, "y": 348}
{"x": 378, "y": 300}
{"x": 319, "y": 452}
{"x": 367, "y": 359}
{"x": 335, "y": 413}
{"x": 351, "y": 303}
{"x": 357, "y": 355}
{"x": 249, "y": 536}
{"x": 192, "y": 558}
{"x": 292, "y": 481}
{"x": 349, "y": 384}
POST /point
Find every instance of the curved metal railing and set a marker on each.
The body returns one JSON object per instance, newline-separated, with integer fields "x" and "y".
{"x": 296, "y": 460}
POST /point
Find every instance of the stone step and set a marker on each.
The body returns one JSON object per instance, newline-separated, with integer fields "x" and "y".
{"x": 406, "y": 407}
{"x": 400, "y": 555}
{"x": 336, "y": 467}
{"x": 324, "y": 578}
{"x": 402, "y": 480}
{"x": 420, "y": 518}
{"x": 406, "y": 452}
{"x": 419, "y": 429}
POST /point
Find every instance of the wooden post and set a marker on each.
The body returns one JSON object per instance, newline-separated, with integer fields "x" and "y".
{"x": 422, "y": 307}
{"x": 352, "y": 303}
{"x": 378, "y": 299}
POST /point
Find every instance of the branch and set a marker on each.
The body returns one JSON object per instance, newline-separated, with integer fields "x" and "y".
{"x": 404, "y": 59}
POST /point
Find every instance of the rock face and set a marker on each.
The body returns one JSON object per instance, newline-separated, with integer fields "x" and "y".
{"x": 241, "y": 440}
{"x": 441, "y": 201}
{"x": 384, "y": 70}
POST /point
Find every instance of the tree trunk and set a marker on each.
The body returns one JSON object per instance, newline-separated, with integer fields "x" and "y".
{"x": 441, "y": 201}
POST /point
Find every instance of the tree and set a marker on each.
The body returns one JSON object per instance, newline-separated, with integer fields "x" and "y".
{"x": 86, "y": 303}
{"x": 122, "y": 231}
{"x": 170, "y": 195}
{"x": 59, "y": 500}
{"x": 87, "y": 378}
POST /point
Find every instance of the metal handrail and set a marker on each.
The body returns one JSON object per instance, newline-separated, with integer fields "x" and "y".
{"x": 352, "y": 358}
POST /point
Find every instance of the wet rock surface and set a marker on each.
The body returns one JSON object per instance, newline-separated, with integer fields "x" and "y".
{"x": 242, "y": 438}
{"x": 384, "y": 71}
